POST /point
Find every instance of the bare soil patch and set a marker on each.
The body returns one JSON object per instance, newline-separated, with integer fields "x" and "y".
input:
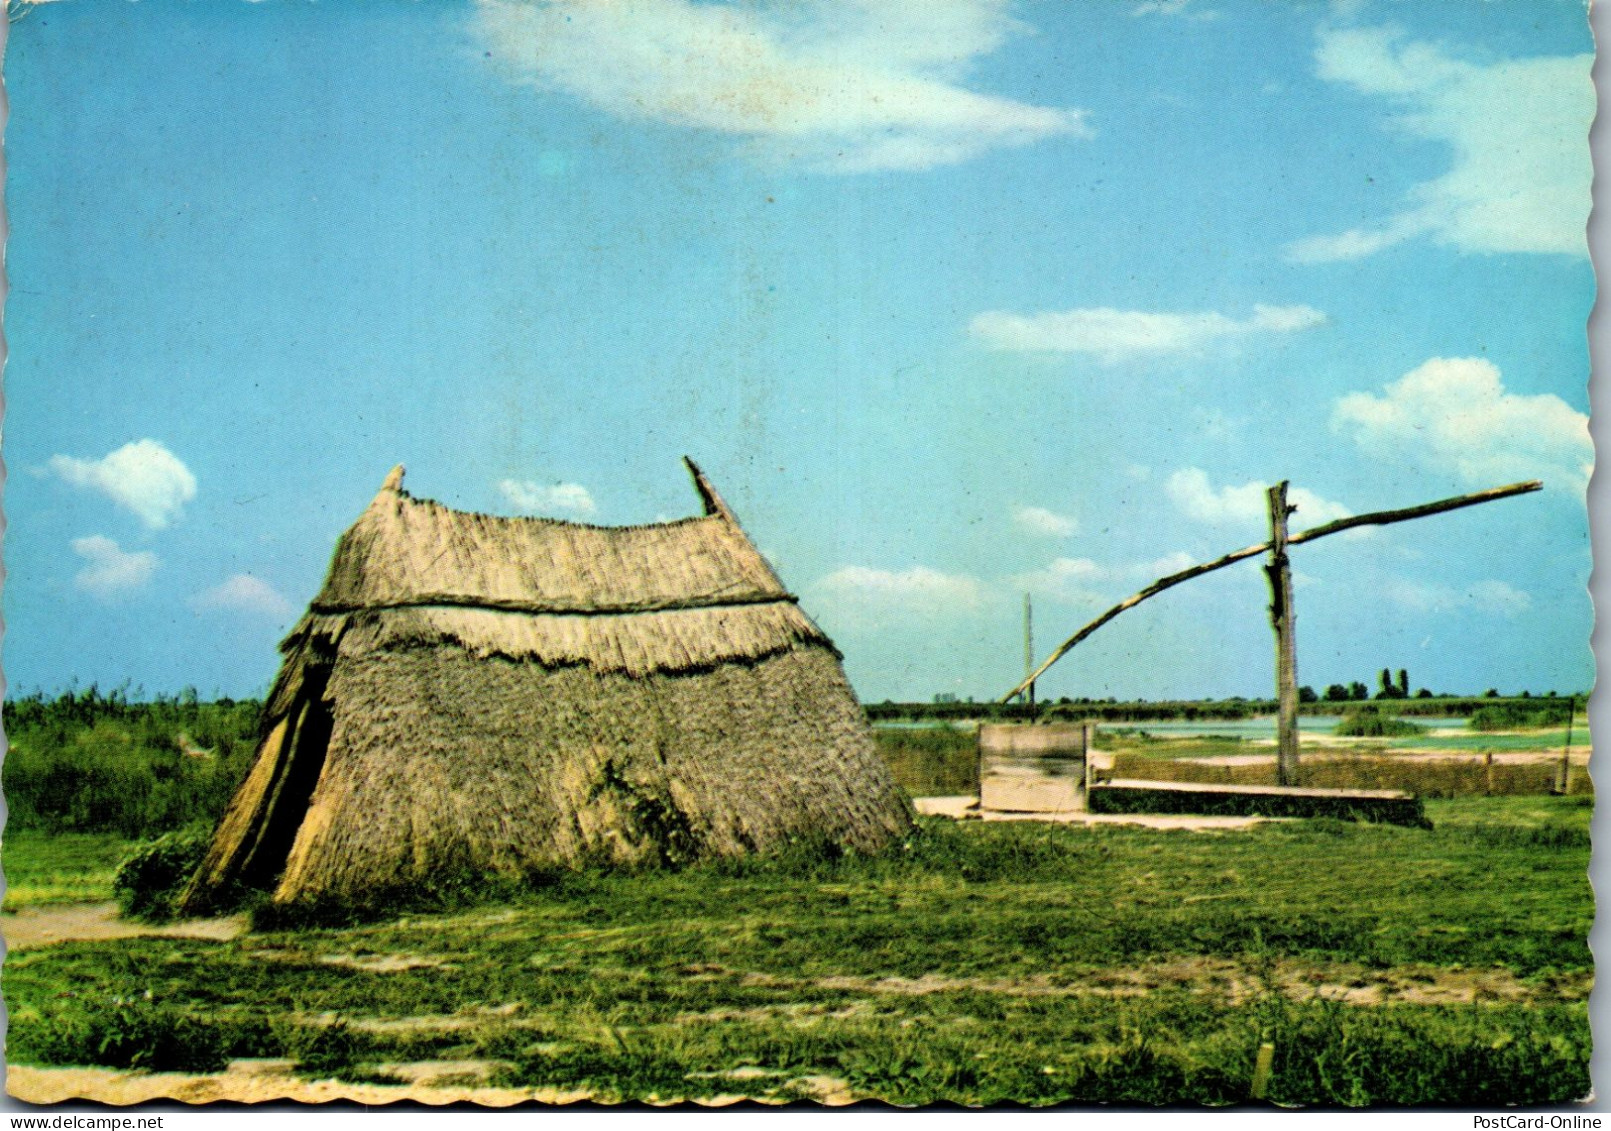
{"x": 258, "y": 1081}
{"x": 67, "y": 922}
{"x": 427, "y": 1082}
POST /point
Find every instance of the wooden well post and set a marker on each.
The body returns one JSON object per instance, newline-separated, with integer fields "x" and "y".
{"x": 1279, "y": 572}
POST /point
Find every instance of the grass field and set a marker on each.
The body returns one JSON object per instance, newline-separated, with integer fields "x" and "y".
{"x": 978, "y": 962}
{"x": 44, "y": 868}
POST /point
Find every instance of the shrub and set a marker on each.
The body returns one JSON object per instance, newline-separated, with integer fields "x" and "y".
{"x": 1367, "y": 722}
{"x": 154, "y": 873}
{"x": 1517, "y": 716}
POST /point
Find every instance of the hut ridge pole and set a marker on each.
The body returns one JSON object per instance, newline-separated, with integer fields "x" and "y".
{"x": 1377, "y": 518}
{"x": 1279, "y": 572}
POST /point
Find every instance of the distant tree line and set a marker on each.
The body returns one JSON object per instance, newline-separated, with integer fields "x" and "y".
{"x": 1337, "y": 699}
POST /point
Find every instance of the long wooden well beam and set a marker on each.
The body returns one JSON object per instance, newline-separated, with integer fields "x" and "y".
{"x": 1377, "y": 518}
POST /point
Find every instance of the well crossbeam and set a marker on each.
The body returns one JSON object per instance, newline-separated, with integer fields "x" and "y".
{"x": 1376, "y": 518}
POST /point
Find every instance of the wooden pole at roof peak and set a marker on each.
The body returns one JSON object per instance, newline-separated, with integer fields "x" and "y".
{"x": 1279, "y": 572}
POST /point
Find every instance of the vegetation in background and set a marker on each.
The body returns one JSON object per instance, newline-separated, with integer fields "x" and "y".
{"x": 1337, "y": 700}
{"x": 931, "y": 761}
{"x": 978, "y": 963}
{"x": 1522, "y": 714}
{"x": 87, "y": 762}
{"x": 1369, "y": 722}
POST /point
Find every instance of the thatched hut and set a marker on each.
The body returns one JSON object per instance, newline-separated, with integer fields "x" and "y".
{"x": 475, "y": 694}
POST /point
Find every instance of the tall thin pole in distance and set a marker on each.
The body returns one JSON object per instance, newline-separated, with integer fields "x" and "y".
{"x": 1029, "y": 654}
{"x": 1286, "y": 649}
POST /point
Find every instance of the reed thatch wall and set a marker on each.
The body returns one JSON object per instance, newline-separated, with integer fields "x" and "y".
{"x": 509, "y": 696}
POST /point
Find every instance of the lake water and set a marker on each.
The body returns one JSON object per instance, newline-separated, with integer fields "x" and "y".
{"x": 1261, "y": 726}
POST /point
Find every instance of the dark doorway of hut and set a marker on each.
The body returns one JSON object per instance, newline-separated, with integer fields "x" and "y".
{"x": 305, "y": 742}
{"x": 1002, "y": 752}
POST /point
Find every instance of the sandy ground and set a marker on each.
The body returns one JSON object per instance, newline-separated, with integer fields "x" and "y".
{"x": 429, "y": 1082}
{"x": 61, "y": 922}
{"x": 245, "y": 1081}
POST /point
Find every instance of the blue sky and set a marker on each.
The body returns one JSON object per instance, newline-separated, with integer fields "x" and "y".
{"x": 953, "y": 299}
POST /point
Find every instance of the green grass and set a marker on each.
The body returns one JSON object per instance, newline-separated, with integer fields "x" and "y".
{"x": 43, "y": 868}
{"x": 1140, "y": 743}
{"x": 663, "y": 984}
{"x": 939, "y": 761}
{"x": 1539, "y": 740}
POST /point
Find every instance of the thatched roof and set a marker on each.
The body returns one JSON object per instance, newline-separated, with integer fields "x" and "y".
{"x": 675, "y": 596}
{"x": 512, "y": 694}
{"x": 407, "y": 551}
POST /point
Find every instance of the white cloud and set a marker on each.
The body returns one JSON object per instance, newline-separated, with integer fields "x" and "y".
{"x": 109, "y": 571}
{"x": 1453, "y": 415}
{"x": 568, "y": 498}
{"x": 840, "y": 87}
{"x": 1518, "y": 134}
{"x": 1081, "y": 581}
{"x": 868, "y": 595}
{"x": 247, "y": 594}
{"x": 1483, "y": 596}
{"x": 1039, "y": 520}
{"x": 1164, "y": 566}
{"x": 143, "y": 476}
{"x": 1115, "y": 335}
{"x": 1245, "y": 506}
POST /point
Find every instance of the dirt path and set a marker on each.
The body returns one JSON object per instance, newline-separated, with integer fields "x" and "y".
{"x": 433, "y": 1083}
{"x": 248, "y": 1081}
{"x": 53, "y": 923}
